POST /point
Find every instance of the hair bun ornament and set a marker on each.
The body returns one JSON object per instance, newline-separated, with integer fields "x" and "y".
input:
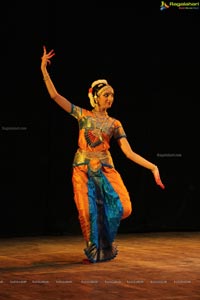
{"x": 99, "y": 81}
{"x": 91, "y": 97}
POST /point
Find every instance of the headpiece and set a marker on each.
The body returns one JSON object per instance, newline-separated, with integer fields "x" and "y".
{"x": 96, "y": 86}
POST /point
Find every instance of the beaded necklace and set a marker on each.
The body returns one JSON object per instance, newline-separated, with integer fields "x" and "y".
{"x": 99, "y": 123}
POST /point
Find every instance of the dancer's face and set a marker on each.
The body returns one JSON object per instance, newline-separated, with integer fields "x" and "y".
{"x": 105, "y": 98}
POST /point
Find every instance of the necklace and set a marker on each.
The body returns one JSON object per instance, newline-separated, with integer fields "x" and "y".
{"x": 99, "y": 124}
{"x": 94, "y": 134}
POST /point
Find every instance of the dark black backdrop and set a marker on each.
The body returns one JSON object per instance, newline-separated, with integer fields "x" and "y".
{"x": 152, "y": 60}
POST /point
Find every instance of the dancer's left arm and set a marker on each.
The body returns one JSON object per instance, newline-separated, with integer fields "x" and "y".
{"x": 138, "y": 159}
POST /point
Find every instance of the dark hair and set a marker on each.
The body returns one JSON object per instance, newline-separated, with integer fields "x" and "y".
{"x": 97, "y": 87}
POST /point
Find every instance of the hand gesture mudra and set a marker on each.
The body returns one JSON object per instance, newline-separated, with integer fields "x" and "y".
{"x": 157, "y": 178}
{"x": 46, "y": 57}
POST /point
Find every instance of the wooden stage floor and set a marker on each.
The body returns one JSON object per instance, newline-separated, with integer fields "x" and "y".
{"x": 149, "y": 266}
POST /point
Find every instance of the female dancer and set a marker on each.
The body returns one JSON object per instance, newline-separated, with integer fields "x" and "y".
{"x": 101, "y": 198}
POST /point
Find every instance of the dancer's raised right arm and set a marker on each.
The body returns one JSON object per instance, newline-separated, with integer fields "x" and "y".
{"x": 59, "y": 99}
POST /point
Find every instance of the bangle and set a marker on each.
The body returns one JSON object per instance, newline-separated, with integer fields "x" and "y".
{"x": 46, "y": 77}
